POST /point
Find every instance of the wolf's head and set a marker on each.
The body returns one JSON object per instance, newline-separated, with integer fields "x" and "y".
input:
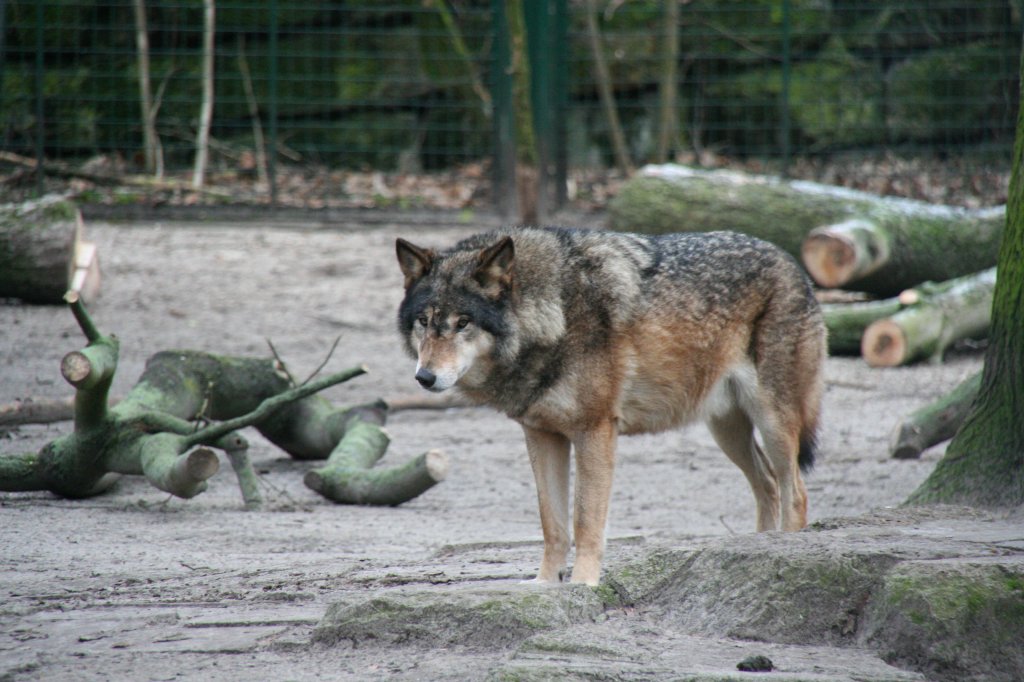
{"x": 454, "y": 309}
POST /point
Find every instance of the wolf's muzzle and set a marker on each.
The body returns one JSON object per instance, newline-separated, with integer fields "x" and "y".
{"x": 425, "y": 377}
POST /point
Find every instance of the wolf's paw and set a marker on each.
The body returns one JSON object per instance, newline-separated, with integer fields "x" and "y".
{"x": 545, "y": 580}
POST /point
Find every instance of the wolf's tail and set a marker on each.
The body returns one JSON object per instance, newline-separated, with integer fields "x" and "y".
{"x": 808, "y": 449}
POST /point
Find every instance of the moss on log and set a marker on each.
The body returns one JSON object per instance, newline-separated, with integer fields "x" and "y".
{"x": 671, "y": 198}
{"x": 913, "y": 242}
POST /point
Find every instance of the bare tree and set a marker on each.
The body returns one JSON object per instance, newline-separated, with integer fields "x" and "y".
{"x": 153, "y": 151}
{"x": 604, "y": 85}
{"x": 206, "y": 107}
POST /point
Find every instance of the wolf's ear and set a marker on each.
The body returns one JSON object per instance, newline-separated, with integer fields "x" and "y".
{"x": 494, "y": 265}
{"x": 414, "y": 261}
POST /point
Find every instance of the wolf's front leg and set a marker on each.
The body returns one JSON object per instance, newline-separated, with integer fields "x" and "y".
{"x": 595, "y": 464}
{"x": 549, "y": 456}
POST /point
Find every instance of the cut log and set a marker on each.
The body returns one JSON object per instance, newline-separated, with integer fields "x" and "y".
{"x": 945, "y": 312}
{"x": 900, "y": 248}
{"x": 42, "y": 253}
{"x": 935, "y": 422}
{"x": 860, "y": 241}
{"x": 846, "y": 322}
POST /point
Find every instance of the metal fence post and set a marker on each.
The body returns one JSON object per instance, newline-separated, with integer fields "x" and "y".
{"x": 39, "y": 85}
{"x": 272, "y": 105}
{"x": 539, "y": 54}
{"x": 544, "y": 23}
{"x": 560, "y": 100}
{"x": 784, "y": 122}
{"x": 504, "y": 170}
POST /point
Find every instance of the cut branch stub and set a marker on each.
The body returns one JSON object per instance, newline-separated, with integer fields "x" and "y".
{"x": 164, "y": 466}
{"x": 348, "y": 478}
{"x": 844, "y": 252}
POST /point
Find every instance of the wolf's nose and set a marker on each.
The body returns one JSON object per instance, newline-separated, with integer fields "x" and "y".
{"x": 425, "y": 377}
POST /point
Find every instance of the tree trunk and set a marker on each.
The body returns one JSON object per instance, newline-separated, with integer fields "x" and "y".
{"x": 984, "y": 463}
{"x": 906, "y": 242}
{"x": 935, "y": 422}
{"x": 153, "y": 430}
{"x": 42, "y": 253}
{"x": 941, "y": 314}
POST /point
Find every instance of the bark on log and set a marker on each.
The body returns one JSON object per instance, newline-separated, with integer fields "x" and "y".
{"x": 935, "y": 422}
{"x": 152, "y": 430}
{"x": 43, "y": 254}
{"x": 884, "y": 245}
{"x": 945, "y": 312}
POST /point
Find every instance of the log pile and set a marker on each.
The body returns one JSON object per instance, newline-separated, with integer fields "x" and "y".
{"x": 927, "y": 272}
{"x": 187, "y": 404}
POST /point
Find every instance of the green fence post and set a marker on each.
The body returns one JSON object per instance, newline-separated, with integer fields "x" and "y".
{"x": 539, "y": 52}
{"x": 504, "y": 170}
{"x": 560, "y": 100}
{"x": 784, "y": 122}
{"x": 272, "y": 105}
{"x": 40, "y": 128}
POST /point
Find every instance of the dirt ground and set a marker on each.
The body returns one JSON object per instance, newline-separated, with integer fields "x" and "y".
{"x": 137, "y": 585}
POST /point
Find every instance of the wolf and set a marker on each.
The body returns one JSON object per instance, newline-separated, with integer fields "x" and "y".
{"x": 583, "y": 335}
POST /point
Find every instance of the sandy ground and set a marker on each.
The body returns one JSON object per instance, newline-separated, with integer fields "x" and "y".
{"x": 137, "y": 585}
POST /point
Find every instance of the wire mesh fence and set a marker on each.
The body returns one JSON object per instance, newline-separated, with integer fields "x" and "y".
{"x": 314, "y": 94}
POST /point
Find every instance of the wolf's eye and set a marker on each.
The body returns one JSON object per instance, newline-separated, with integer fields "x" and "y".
{"x": 462, "y": 323}
{"x": 422, "y": 319}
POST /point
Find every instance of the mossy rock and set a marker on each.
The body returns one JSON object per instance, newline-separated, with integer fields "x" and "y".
{"x": 952, "y": 619}
{"x": 487, "y": 618}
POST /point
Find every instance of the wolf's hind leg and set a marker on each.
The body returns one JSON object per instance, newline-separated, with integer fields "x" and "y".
{"x": 782, "y": 446}
{"x": 734, "y": 433}
{"x": 549, "y": 456}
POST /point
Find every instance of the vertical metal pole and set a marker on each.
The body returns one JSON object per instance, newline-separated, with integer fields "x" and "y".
{"x": 3, "y": 60}
{"x": 40, "y": 128}
{"x": 784, "y": 122}
{"x": 560, "y": 101}
{"x": 272, "y": 105}
{"x": 504, "y": 171}
{"x": 538, "y": 38}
